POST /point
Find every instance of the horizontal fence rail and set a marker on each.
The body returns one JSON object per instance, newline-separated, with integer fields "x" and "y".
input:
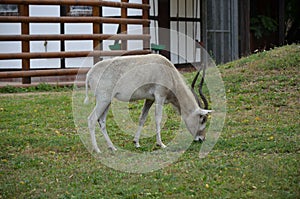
{"x": 40, "y": 73}
{"x": 96, "y": 19}
{"x": 71, "y": 54}
{"x": 19, "y": 19}
{"x": 79, "y": 2}
{"x": 73, "y": 37}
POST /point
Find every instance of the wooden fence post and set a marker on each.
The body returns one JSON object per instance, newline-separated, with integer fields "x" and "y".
{"x": 146, "y": 28}
{"x": 24, "y": 11}
{"x": 63, "y": 12}
{"x": 164, "y": 22}
{"x": 97, "y": 29}
{"x": 124, "y": 26}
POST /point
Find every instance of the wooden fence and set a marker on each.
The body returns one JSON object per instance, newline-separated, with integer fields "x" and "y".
{"x": 97, "y": 37}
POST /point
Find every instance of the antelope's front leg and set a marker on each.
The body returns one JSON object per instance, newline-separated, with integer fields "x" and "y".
{"x": 143, "y": 116}
{"x": 158, "y": 118}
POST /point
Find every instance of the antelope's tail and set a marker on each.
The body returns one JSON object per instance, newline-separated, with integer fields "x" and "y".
{"x": 86, "y": 100}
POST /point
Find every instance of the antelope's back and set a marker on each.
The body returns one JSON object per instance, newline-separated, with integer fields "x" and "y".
{"x": 130, "y": 71}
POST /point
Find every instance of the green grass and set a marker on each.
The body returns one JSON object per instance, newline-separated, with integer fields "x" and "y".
{"x": 257, "y": 155}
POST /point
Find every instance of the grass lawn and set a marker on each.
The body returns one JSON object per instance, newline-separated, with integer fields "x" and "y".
{"x": 256, "y": 156}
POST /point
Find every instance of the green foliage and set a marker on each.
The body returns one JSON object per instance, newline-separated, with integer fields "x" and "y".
{"x": 292, "y": 11}
{"x": 262, "y": 25}
{"x": 256, "y": 156}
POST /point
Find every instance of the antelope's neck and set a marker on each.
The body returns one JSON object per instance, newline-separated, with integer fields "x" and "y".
{"x": 186, "y": 100}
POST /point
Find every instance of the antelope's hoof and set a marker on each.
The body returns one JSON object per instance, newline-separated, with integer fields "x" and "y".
{"x": 97, "y": 150}
{"x": 112, "y": 148}
{"x": 161, "y": 145}
{"x": 137, "y": 144}
{"x": 199, "y": 139}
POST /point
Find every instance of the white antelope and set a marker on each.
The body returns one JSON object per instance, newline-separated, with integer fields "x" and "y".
{"x": 150, "y": 77}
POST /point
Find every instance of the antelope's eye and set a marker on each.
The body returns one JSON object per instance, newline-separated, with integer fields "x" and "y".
{"x": 204, "y": 119}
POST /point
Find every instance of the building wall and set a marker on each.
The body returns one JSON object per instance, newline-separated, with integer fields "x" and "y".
{"x": 221, "y": 29}
{"x": 188, "y": 20}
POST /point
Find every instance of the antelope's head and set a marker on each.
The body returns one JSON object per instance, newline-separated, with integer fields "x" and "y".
{"x": 199, "y": 118}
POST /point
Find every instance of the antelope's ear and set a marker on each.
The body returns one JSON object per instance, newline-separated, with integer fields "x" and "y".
{"x": 201, "y": 111}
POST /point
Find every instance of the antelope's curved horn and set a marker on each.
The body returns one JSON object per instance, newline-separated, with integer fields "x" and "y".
{"x": 193, "y": 88}
{"x": 205, "y": 102}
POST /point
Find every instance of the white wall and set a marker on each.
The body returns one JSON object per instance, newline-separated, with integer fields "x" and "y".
{"x": 184, "y": 34}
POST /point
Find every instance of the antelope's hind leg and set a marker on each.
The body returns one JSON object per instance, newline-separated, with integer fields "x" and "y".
{"x": 102, "y": 123}
{"x": 98, "y": 111}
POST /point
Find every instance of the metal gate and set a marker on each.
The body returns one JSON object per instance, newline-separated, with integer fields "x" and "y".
{"x": 220, "y": 29}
